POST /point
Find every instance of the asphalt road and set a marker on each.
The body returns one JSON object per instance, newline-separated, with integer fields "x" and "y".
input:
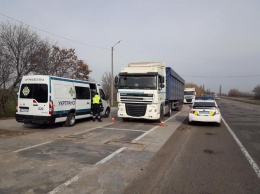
{"x": 135, "y": 156}
{"x": 204, "y": 158}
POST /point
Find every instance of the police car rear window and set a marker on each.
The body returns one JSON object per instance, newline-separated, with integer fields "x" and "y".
{"x": 39, "y": 92}
{"x": 204, "y": 105}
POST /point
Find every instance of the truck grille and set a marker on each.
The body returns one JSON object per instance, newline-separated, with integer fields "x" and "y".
{"x": 136, "y": 98}
{"x": 136, "y": 110}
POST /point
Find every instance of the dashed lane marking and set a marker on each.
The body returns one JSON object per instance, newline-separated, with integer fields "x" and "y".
{"x": 27, "y": 148}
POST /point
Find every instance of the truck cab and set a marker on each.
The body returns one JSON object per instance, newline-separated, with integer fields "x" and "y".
{"x": 189, "y": 95}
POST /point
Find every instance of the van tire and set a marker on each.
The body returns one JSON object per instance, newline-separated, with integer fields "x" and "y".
{"x": 107, "y": 113}
{"x": 70, "y": 120}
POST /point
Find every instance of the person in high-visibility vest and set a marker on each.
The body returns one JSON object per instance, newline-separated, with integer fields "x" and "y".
{"x": 96, "y": 107}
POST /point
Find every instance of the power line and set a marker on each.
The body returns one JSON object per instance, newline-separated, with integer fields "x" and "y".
{"x": 228, "y": 76}
{"x": 53, "y": 33}
{"x": 122, "y": 56}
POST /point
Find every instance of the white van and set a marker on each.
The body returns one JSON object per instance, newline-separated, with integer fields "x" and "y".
{"x": 44, "y": 99}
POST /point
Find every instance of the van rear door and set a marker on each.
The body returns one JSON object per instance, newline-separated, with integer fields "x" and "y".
{"x": 33, "y": 99}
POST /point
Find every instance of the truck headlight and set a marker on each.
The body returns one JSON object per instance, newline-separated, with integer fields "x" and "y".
{"x": 153, "y": 110}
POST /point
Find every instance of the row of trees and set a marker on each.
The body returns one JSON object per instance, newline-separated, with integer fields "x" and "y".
{"x": 237, "y": 93}
{"x": 24, "y": 52}
{"x": 232, "y": 93}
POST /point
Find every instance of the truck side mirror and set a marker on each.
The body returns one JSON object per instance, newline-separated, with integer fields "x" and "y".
{"x": 116, "y": 82}
{"x": 162, "y": 80}
{"x": 162, "y": 85}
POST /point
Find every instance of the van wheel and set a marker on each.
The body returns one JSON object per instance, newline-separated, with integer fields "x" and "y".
{"x": 107, "y": 113}
{"x": 70, "y": 120}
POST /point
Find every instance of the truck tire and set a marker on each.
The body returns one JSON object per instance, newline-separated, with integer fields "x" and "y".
{"x": 70, "y": 120}
{"x": 170, "y": 110}
{"x": 161, "y": 115}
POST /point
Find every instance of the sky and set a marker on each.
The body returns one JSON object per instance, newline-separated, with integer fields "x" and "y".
{"x": 207, "y": 42}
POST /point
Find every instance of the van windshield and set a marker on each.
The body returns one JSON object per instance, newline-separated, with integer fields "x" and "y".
{"x": 39, "y": 92}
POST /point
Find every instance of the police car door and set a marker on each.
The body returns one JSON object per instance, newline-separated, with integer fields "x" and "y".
{"x": 83, "y": 101}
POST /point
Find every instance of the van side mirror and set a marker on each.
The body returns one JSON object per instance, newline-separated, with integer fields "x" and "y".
{"x": 106, "y": 97}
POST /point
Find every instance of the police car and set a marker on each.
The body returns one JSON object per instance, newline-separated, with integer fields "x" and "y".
{"x": 205, "y": 111}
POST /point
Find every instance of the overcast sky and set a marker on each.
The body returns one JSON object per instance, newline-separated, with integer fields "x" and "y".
{"x": 210, "y": 42}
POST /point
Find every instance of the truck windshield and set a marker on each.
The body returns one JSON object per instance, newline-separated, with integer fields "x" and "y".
{"x": 189, "y": 93}
{"x": 139, "y": 82}
{"x": 39, "y": 92}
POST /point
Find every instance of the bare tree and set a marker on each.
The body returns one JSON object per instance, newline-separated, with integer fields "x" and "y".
{"x": 62, "y": 63}
{"x": 106, "y": 84}
{"x": 19, "y": 50}
{"x": 256, "y": 92}
{"x": 6, "y": 70}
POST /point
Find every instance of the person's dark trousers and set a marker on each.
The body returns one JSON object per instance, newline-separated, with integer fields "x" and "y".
{"x": 96, "y": 112}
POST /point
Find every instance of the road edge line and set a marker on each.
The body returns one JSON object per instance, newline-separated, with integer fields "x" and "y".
{"x": 243, "y": 149}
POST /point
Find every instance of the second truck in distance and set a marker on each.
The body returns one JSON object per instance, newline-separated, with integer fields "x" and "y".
{"x": 148, "y": 90}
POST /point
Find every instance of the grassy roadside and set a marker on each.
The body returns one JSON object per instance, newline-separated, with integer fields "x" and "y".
{"x": 248, "y": 100}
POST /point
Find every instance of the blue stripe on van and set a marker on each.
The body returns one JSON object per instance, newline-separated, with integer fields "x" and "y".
{"x": 61, "y": 112}
{"x": 83, "y": 110}
{"x": 77, "y": 111}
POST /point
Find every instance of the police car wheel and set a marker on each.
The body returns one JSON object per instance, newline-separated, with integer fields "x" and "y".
{"x": 70, "y": 120}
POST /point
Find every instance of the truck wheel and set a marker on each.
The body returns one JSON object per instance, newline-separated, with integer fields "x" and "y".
{"x": 161, "y": 115}
{"x": 70, "y": 120}
{"x": 170, "y": 111}
{"x": 107, "y": 113}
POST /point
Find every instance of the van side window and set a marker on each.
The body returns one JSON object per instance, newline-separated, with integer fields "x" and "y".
{"x": 82, "y": 92}
{"x": 39, "y": 92}
{"x": 102, "y": 94}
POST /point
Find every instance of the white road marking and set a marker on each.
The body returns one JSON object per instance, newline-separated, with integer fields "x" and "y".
{"x": 27, "y": 148}
{"x": 91, "y": 129}
{"x": 110, "y": 156}
{"x": 123, "y": 129}
{"x": 106, "y": 158}
{"x": 75, "y": 178}
{"x": 146, "y": 133}
{"x": 243, "y": 149}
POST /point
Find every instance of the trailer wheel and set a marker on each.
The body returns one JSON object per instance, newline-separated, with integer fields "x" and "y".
{"x": 70, "y": 120}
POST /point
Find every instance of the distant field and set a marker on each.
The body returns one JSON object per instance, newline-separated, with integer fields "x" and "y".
{"x": 249, "y": 100}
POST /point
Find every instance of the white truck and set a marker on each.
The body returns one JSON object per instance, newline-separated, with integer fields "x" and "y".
{"x": 148, "y": 90}
{"x": 189, "y": 95}
{"x": 44, "y": 99}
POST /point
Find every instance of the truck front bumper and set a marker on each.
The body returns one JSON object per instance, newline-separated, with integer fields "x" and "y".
{"x": 138, "y": 111}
